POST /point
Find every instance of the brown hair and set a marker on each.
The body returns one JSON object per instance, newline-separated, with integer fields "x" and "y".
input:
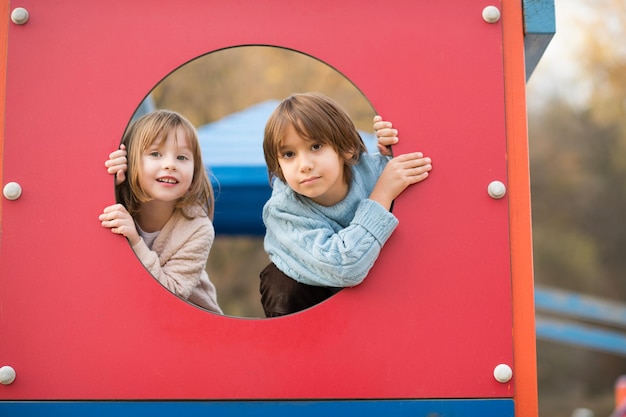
{"x": 316, "y": 117}
{"x": 141, "y": 134}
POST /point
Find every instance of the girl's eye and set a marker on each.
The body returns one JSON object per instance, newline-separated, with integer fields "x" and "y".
{"x": 288, "y": 154}
{"x": 317, "y": 146}
{"x": 154, "y": 154}
{"x": 183, "y": 158}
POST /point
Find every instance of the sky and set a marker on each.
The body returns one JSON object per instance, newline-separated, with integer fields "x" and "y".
{"x": 558, "y": 72}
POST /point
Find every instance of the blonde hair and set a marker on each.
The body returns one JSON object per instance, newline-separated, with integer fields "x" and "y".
{"x": 152, "y": 127}
{"x": 316, "y": 117}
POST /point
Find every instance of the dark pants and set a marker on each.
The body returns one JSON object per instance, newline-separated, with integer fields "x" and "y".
{"x": 281, "y": 295}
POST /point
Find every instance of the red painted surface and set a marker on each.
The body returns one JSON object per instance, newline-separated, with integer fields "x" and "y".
{"x": 81, "y": 319}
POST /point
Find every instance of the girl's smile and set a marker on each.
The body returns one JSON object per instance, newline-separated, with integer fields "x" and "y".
{"x": 167, "y": 167}
{"x": 168, "y": 180}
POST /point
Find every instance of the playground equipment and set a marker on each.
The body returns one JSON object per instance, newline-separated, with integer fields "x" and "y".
{"x": 444, "y": 324}
{"x": 554, "y": 305}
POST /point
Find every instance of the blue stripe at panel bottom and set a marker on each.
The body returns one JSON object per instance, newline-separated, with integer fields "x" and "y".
{"x": 300, "y": 408}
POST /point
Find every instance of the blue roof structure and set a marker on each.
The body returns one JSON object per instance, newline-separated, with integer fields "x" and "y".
{"x": 236, "y": 139}
{"x": 539, "y": 28}
{"x": 232, "y": 150}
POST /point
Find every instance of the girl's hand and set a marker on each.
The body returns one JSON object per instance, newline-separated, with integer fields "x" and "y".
{"x": 385, "y": 134}
{"x": 399, "y": 173}
{"x": 117, "y": 218}
{"x": 117, "y": 164}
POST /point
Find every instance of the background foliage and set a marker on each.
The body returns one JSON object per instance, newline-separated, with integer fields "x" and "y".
{"x": 578, "y": 183}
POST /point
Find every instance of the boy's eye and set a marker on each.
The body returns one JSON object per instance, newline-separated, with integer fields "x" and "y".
{"x": 288, "y": 154}
{"x": 316, "y": 146}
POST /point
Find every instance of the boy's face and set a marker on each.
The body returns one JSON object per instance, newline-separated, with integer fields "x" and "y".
{"x": 312, "y": 169}
{"x": 167, "y": 167}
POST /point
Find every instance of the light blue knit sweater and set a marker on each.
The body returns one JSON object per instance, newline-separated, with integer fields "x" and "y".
{"x": 328, "y": 246}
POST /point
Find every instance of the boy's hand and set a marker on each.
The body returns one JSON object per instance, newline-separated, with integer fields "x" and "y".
{"x": 117, "y": 164}
{"x": 399, "y": 173}
{"x": 386, "y": 135}
{"x": 117, "y": 218}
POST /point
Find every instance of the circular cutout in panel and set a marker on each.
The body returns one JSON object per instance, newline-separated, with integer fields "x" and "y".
{"x": 228, "y": 96}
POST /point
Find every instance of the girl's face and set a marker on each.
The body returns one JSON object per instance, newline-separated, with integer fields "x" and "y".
{"x": 167, "y": 167}
{"x": 312, "y": 169}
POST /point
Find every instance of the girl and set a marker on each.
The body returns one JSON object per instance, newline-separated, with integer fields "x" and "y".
{"x": 165, "y": 204}
{"x": 328, "y": 216}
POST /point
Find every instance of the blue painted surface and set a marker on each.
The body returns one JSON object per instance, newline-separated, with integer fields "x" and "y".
{"x": 539, "y": 28}
{"x": 387, "y": 408}
{"x": 574, "y": 306}
{"x": 539, "y": 17}
{"x": 581, "y": 335}
{"x": 580, "y": 306}
{"x": 236, "y": 139}
{"x": 240, "y": 192}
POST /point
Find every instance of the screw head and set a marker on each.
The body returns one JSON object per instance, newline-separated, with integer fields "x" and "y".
{"x": 503, "y": 373}
{"x": 491, "y": 14}
{"x": 19, "y": 16}
{"x": 12, "y": 191}
{"x": 7, "y": 375}
{"x": 496, "y": 190}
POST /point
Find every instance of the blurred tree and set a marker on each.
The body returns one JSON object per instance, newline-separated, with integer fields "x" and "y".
{"x": 604, "y": 60}
{"x": 569, "y": 191}
{"x": 226, "y": 81}
{"x": 578, "y": 199}
{"x": 578, "y": 183}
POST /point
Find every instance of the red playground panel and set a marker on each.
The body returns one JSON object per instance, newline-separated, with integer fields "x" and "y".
{"x": 81, "y": 319}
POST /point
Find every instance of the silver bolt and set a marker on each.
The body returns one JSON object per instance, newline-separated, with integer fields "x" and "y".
{"x": 496, "y": 190}
{"x": 19, "y": 16}
{"x": 12, "y": 191}
{"x": 7, "y": 375}
{"x": 491, "y": 14}
{"x": 503, "y": 373}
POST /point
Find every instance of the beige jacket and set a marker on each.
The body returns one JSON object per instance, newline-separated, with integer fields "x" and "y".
{"x": 178, "y": 258}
